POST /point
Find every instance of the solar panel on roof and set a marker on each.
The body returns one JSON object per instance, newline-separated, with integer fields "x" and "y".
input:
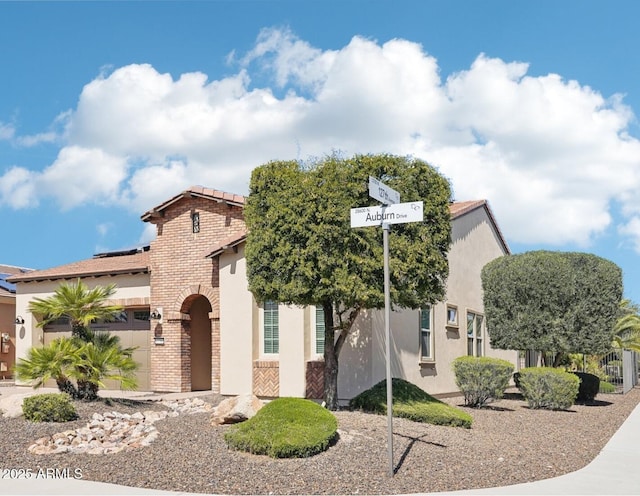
{"x": 7, "y": 285}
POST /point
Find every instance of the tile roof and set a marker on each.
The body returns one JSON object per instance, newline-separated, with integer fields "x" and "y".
{"x": 98, "y": 266}
{"x": 196, "y": 191}
{"x": 226, "y": 243}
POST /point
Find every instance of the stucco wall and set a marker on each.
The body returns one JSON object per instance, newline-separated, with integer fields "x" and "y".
{"x": 474, "y": 243}
{"x": 236, "y": 325}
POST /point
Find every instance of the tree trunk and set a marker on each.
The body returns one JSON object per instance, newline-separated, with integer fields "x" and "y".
{"x": 332, "y": 347}
{"x": 330, "y": 359}
{"x": 66, "y": 386}
{"x": 80, "y": 331}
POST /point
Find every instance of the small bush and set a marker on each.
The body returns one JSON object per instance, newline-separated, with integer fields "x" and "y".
{"x": 549, "y": 388}
{"x": 589, "y": 386}
{"x": 50, "y": 407}
{"x": 285, "y": 428}
{"x": 606, "y": 387}
{"x": 411, "y": 402}
{"x": 481, "y": 379}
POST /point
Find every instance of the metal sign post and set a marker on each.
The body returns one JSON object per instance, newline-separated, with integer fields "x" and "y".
{"x": 387, "y": 336}
{"x": 392, "y": 212}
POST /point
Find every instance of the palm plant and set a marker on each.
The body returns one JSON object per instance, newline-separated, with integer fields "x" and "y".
{"x": 89, "y": 357}
{"x": 626, "y": 332}
{"x": 105, "y": 360}
{"x": 78, "y": 303}
{"x": 58, "y": 361}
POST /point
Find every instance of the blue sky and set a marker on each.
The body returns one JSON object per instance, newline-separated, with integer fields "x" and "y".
{"x": 109, "y": 108}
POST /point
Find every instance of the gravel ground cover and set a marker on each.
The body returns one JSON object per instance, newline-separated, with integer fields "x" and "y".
{"x": 508, "y": 444}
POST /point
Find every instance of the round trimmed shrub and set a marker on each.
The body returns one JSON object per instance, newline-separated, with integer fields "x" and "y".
{"x": 589, "y": 386}
{"x": 285, "y": 428}
{"x": 50, "y": 407}
{"x": 606, "y": 387}
{"x": 549, "y": 388}
{"x": 481, "y": 379}
{"x": 410, "y": 402}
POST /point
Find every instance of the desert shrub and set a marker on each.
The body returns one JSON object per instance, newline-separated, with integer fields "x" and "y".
{"x": 589, "y": 386}
{"x": 481, "y": 379}
{"x": 549, "y": 388}
{"x": 606, "y": 387}
{"x": 50, "y": 407}
{"x": 285, "y": 428}
{"x": 411, "y": 402}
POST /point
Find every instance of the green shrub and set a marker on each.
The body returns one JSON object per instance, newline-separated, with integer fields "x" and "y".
{"x": 546, "y": 387}
{"x": 285, "y": 428}
{"x": 589, "y": 386}
{"x": 50, "y": 407}
{"x": 481, "y": 379}
{"x": 606, "y": 387}
{"x": 411, "y": 402}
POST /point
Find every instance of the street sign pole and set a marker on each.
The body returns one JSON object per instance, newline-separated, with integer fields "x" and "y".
{"x": 390, "y": 212}
{"x": 387, "y": 335}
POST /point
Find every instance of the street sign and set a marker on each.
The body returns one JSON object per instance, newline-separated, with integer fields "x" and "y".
{"x": 383, "y": 193}
{"x": 399, "y": 213}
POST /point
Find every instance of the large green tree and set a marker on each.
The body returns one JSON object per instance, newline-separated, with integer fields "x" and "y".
{"x": 552, "y": 302}
{"x": 301, "y": 249}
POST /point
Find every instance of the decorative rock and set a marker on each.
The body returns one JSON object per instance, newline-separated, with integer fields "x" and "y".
{"x": 234, "y": 410}
{"x": 114, "y": 432}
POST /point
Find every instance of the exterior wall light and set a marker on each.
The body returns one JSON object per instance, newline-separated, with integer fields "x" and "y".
{"x": 156, "y": 314}
{"x": 19, "y": 320}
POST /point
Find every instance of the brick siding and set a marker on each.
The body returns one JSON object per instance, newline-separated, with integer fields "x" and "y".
{"x": 180, "y": 272}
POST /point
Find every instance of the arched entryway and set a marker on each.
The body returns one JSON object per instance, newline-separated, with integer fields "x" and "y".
{"x": 200, "y": 344}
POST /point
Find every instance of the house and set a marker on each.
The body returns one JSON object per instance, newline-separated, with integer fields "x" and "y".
{"x": 8, "y": 320}
{"x": 197, "y": 327}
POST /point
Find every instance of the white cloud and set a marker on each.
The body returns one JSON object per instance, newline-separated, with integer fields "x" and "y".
{"x": 551, "y": 155}
{"x": 7, "y": 131}
{"x": 17, "y": 188}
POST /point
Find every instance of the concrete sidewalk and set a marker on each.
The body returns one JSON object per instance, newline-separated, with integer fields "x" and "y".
{"x": 611, "y": 472}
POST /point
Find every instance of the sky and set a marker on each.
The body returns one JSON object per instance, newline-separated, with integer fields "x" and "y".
{"x": 107, "y": 109}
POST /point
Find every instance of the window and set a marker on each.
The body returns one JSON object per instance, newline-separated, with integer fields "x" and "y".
{"x": 195, "y": 222}
{"x": 474, "y": 334}
{"x": 319, "y": 331}
{"x": 271, "y": 331}
{"x": 426, "y": 335}
{"x": 452, "y": 315}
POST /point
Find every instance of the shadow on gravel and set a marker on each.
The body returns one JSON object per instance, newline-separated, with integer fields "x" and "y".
{"x": 413, "y": 440}
{"x": 594, "y": 403}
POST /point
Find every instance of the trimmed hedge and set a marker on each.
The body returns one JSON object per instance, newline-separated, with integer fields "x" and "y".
{"x": 49, "y": 407}
{"x": 549, "y": 388}
{"x": 589, "y": 386}
{"x": 285, "y": 428}
{"x": 606, "y": 387}
{"x": 481, "y": 379}
{"x": 411, "y": 402}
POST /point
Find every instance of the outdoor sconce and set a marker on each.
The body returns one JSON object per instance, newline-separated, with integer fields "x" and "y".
{"x": 158, "y": 341}
{"x": 19, "y": 320}
{"x": 156, "y": 315}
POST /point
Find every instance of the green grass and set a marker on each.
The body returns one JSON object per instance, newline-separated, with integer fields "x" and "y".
{"x": 285, "y": 428}
{"x": 411, "y": 402}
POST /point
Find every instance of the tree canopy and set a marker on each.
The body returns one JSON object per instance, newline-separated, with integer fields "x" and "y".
{"x": 548, "y": 301}
{"x": 301, "y": 249}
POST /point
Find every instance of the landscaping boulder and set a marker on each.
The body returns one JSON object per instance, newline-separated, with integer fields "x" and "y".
{"x": 237, "y": 409}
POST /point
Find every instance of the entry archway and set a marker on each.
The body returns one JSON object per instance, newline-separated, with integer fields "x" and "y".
{"x": 200, "y": 344}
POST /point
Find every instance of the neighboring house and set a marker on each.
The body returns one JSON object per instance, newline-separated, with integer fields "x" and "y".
{"x": 188, "y": 309}
{"x": 8, "y": 320}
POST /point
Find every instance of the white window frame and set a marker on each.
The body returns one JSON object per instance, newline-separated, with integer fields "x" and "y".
{"x": 430, "y": 357}
{"x": 477, "y": 336}
{"x": 263, "y": 324}
{"x": 452, "y": 322}
{"x": 315, "y": 338}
